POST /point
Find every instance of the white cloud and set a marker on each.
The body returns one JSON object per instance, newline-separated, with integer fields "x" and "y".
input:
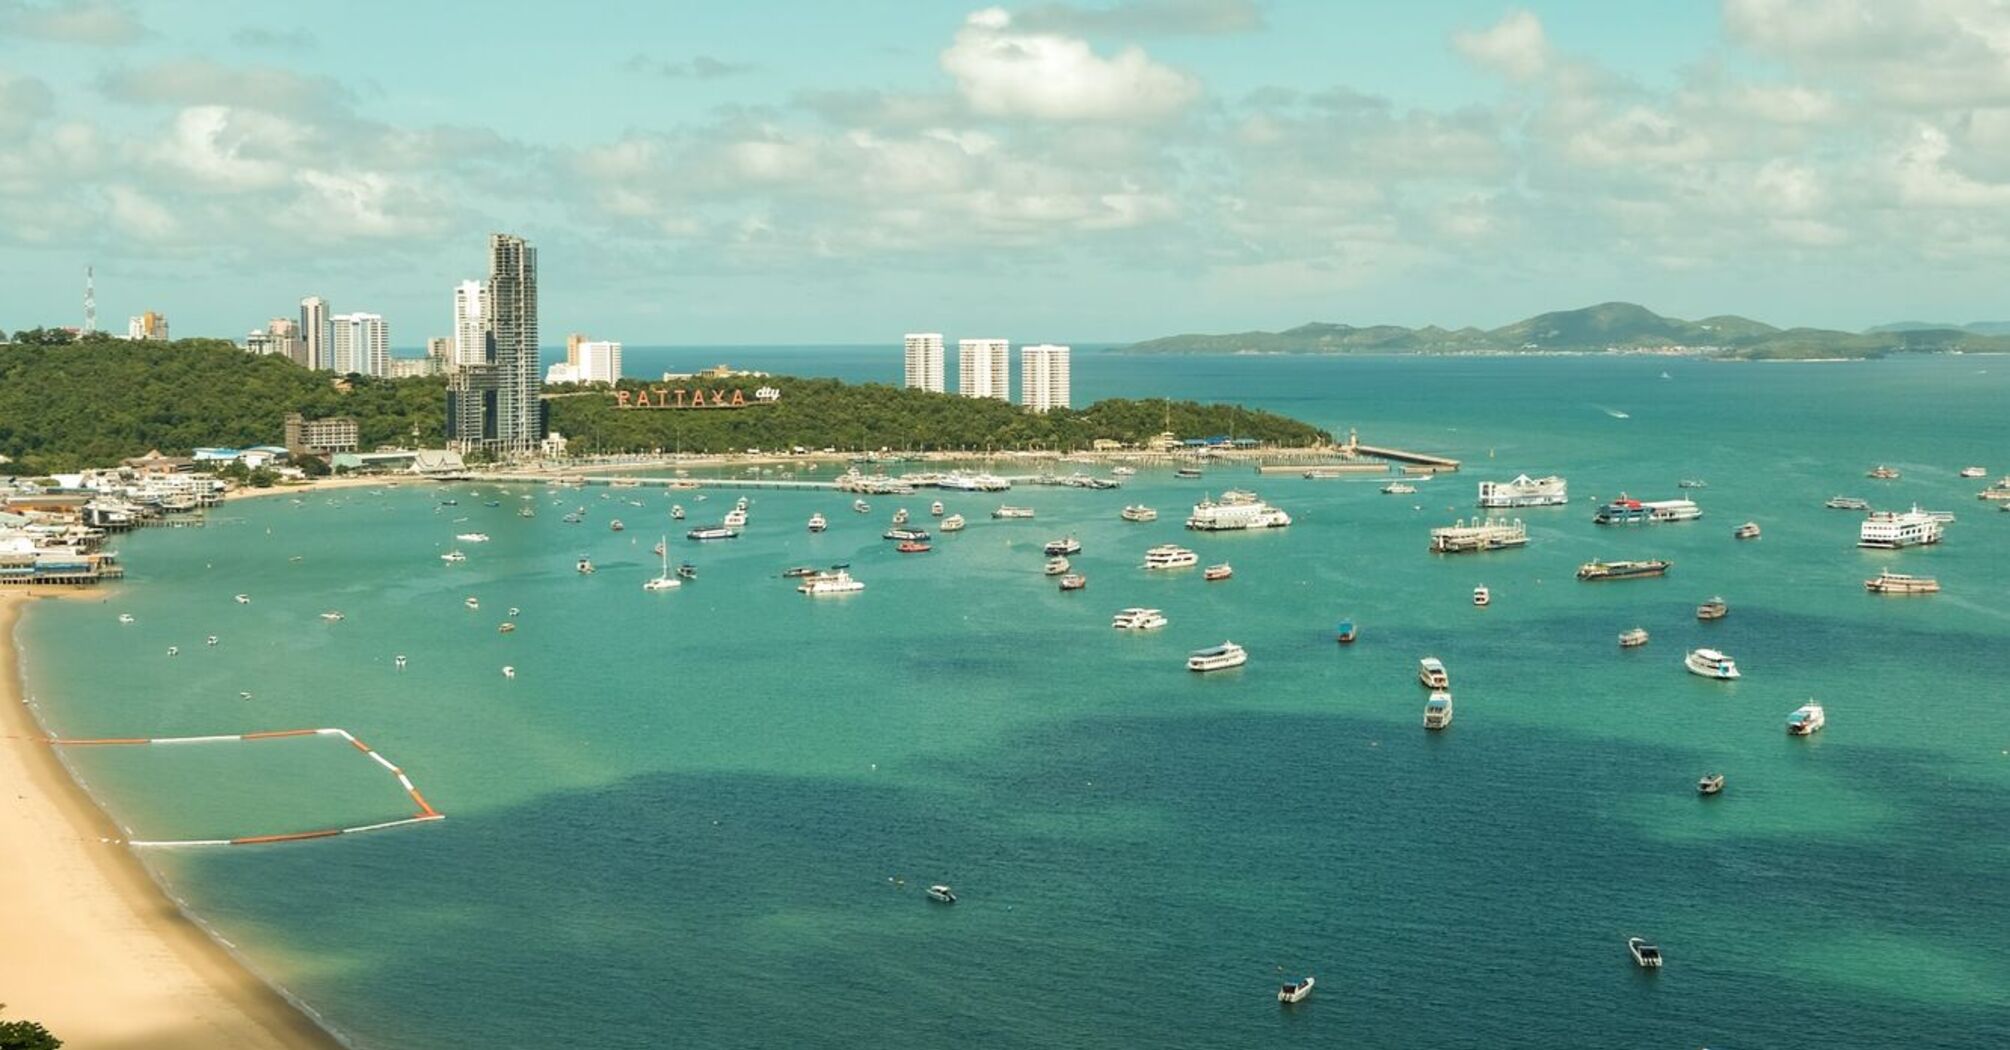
{"x": 135, "y": 214}
{"x": 1515, "y": 46}
{"x": 1003, "y": 72}
{"x": 72, "y": 22}
{"x": 1133, "y": 18}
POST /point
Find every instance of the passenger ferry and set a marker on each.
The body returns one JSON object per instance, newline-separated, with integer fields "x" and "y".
{"x": 1629, "y": 511}
{"x": 905, "y": 535}
{"x": 1438, "y": 710}
{"x": 1747, "y": 531}
{"x": 953, "y": 523}
{"x": 1622, "y": 570}
{"x": 1714, "y": 609}
{"x": 1008, "y": 511}
{"x": 1882, "y": 473}
{"x": 1432, "y": 674}
{"x": 1065, "y": 545}
{"x": 1217, "y": 572}
{"x": 1524, "y": 491}
{"x": 1847, "y": 503}
{"x": 1888, "y": 582}
{"x": 1138, "y": 620}
{"x": 836, "y": 581}
{"x": 1998, "y": 490}
{"x": 1139, "y": 512}
{"x": 818, "y": 523}
{"x": 1891, "y": 530}
{"x": 1399, "y": 488}
{"x": 1346, "y": 632}
{"x": 1217, "y": 658}
{"x": 1807, "y": 719}
{"x": 1633, "y": 639}
{"x": 1710, "y": 664}
{"x": 712, "y": 532}
{"x": 1236, "y": 510}
{"x": 1482, "y": 597}
{"x": 1074, "y": 581}
{"x": 1170, "y": 556}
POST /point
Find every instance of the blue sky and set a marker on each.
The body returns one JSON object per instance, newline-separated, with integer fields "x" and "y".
{"x": 1095, "y": 170}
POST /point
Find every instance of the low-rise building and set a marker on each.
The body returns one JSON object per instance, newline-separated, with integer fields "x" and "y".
{"x": 316, "y": 437}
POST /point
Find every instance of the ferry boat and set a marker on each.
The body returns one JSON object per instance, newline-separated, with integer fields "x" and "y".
{"x": 1974, "y": 472}
{"x": 1138, "y": 620}
{"x": 1066, "y": 545}
{"x": 912, "y": 547}
{"x": 1891, "y": 530}
{"x": 1074, "y": 581}
{"x": 1710, "y": 784}
{"x": 1399, "y": 488}
{"x": 941, "y": 894}
{"x": 1482, "y": 597}
{"x": 1714, "y": 609}
{"x": 1057, "y": 566}
{"x": 905, "y": 535}
{"x": 1633, "y": 639}
{"x": 453, "y": 557}
{"x": 1170, "y": 556}
{"x": 1432, "y": 674}
{"x": 900, "y": 516}
{"x": 1236, "y": 510}
{"x": 1525, "y": 491}
{"x": 953, "y": 523}
{"x": 615, "y": 525}
{"x": 676, "y": 512}
{"x": 1217, "y": 657}
{"x": 1438, "y": 710}
{"x": 1295, "y": 991}
{"x": 472, "y": 537}
{"x": 735, "y": 518}
{"x": 712, "y": 532}
{"x": 1217, "y": 572}
{"x": 1007, "y": 511}
{"x": 663, "y": 581}
{"x": 1139, "y": 512}
{"x": 1645, "y": 955}
{"x": 1622, "y": 570}
{"x": 1188, "y": 473}
{"x": 1888, "y": 582}
{"x": 861, "y": 506}
{"x": 1492, "y": 534}
{"x": 1998, "y": 490}
{"x": 1346, "y": 632}
{"x": 1710, "y": 664}
{"x": 1882, "y": 473}
{"x": 1847, "y": 503}
{"x": 836, "y": 581}
{"x": 1747, "y": 531}
{"x": 1807, "y": 719}
{"x": 935, "y": 509}
{"x": 818, "y": 523}
{"x": 1629, "y": 511}
{"x": 583, "y": 566}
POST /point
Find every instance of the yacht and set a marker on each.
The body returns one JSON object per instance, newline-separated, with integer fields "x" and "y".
{"x": 1974, "y": 472}
{"x": 1431, "y": 672}
{"x": 1891, "y": 530}
{"x": 473, "y": 537}
{"x": 1139, "y": 512}
{"x": 1710, "y": 664}
{"x": 1012, "y": 512}
{"x": 1888, "y": 582}
{"x": 453, "y": 556}
{"x": 615, "y": 525}
{"x": 1847, "y": 503}
{"x": 1633, "y": 639}
{"x": 900, "y": 516}
{"x": 1295, "y": 991}
{"x": 735, "y": 519}
{"x": 1807, "y": 719}
{"x": 1882, "y": 473}
{"x": 1645, "y": 955}
{"x": 953, "y": 523}
{"x": 836, "y": 581}
{"x": 861, "y": 506}
{"x": 1057, "y": 566}
{"x": 1621, "y": 570}
{"x": 1714, "y": 609}
{"x": 941, "y": 894}
{"x": 818, "y": 524}
{"x": 1482, "y": 597}
{"x": 1066, "y": 545}
{"x": 1138, "y": 620}
{"x": 1629, "y": 511}
{"x": 1236, "y": 510}
{"x": 472, "y": 602}
{"x": 663, "y": 581}
{"x": 1438, "y": 710}
{"x": 1170, "y": 556}
{"x": 1525, "y": 491}
{"x": 1074, "y": 581}
{"x": 935, "y": 509}
{"x": 1710, "y": 784}
{"x": 1346, "y": 632}
{"x": 1217, "y": 657}
{"x": 712, "y": 532}
{"x": 676, "y": 512}
{"x": 1399, "y": 488}
{"x": 1747, "y": 531}
{"x": 1217, "y": 572}
{"x": 905, "y": 535}
{"x": 583, "y": 566}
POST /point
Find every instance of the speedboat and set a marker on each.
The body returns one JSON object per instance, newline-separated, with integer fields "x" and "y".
{"x": 472, "y": 602}
{"x": 1438, "y": 710}
{"x": 1345, "y": 633}
{"x": 1847, "y": 503}
{"x": 1431, "y": 672}
{"x": 1974, "y": 472}
{"x": 1482, "y": 597}
{"x": 1399, "y": 488}
{"x": 687, "y": 571}
{"x": 1074, "y": 581}
{"x": 1069, "y": 545}
{"x": 941, "y": 894}
{"x": 1646, "y": 955}
{"x": 125, "y": 617}
{"x": 1747, "y": 531}
{"x": 615, "y": 525}
{"x": 1295, "y": 991}
{"x": 332, "y": 616}
{"x": 1217, "y": 572}
{"x": 1633, "y": 639}
{"x": 735, "y": 518}
{"x": 1138, "y": 620}
{"x": 242, "y": 599}
{"x": 505, "y": 627}
{"x": 953, "y": 523}
{"x": 1139, "y": 512}
{"x": 1710, "y": 664}
{"x": 1714, "y": 609}
{"x": 1057, "y": 566}
{"x": 584, "y": 566}
{"x": 676, "y": 512}
{"x": 1217, "y": 657}
{"x": 900, "y": 516}
{"x": 1807, "y": 719}
{"x": 452, "y": 557}
{"x": 818, "y": 524}
{"x": 1710, "y": 784}
{"x": 1170, "y": 556}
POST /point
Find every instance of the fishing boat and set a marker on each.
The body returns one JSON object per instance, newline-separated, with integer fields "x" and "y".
{"x": 1807, "y": 719}
{"x": 1847, "y": 503}
{"x": 1295, "y": 991}
{"x": 913, "y": 547}
{"x": 663, "y": 581}
{"x": 1438, "y": 710}
{"x": 1217, "y": 657}
{"x": 1714, "y": 609}
{"x": 953, "y": 523}
{"x": 1074, "y": 581}
{"x": 1482, "y": 597}
{"x": 1138, "y": 620}
{"x": 1346, "y": 632}
{"x": 818, "y": 523}
{"x": 1710, "y": 784}
{"x": 583, "y": 566}
{"x": 1138, "y": 512}
{"x": 1621, "y": 570}
{"x": 1217, "y": 572}
{"x": 1432, "y": 674}
{"x": 1710, "y": 663}
{"x": 1057, "y": 566}
{"x": 1645, "y": 955}
{"x": 1633, "y": 639}
{"x": 1747, "y": 531}
{"x": 1888, "y": 582}
{"x": 1065, "y": 545}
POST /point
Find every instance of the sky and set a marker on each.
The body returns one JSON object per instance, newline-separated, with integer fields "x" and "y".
{"x": 1057, "y": 170}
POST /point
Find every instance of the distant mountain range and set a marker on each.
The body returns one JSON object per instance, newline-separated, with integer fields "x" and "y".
{"x": 1607, "y": 327}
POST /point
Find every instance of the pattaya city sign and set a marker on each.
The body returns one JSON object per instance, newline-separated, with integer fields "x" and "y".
{"x": 678, "y": 397}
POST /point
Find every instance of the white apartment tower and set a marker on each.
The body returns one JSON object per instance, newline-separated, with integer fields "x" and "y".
{"x": 984, "y": 368}
{"x": 599, "y": 362}
{"x": 361, "y": 344}
{"x": 471, "y": 300}
{"x": 312, "y": 351}
{"x": 1043, "y": 377}
{"x": 924, "y": 361}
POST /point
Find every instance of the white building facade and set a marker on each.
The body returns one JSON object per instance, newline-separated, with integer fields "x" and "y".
{"x": 984, "y": 368}
{"x": 471, "y": 300}
{"x": 924, "y": 361}
{"x": 599, "y": 362}
{"x": 1043, "y": 377}
{"x": 361, "y": 344}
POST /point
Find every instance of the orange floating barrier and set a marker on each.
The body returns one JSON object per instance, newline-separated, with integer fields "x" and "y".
{"x": 276, "y": 733}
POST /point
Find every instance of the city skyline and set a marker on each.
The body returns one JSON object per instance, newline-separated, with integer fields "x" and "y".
{"x": 1157, "y": 166}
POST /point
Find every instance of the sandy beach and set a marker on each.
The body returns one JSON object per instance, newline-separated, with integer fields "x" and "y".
{"x": 94, "y": 950}
{"x": 353, "y": 481}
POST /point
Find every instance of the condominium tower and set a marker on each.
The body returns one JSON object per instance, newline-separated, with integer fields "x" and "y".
{"x": 924, "y": 361}
{"x": 470, "y": 346}
{"x": 984, "y": 368}
{"x": 360, "y": 344}
{"x": 1043, "y": 377}
{"x": 495, "y": 405}
{"x": 312, "y": 350}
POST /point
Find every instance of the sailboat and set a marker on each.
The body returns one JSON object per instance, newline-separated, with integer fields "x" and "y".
{"x": 665, "y": 581}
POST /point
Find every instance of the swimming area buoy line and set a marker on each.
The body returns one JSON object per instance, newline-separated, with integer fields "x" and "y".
{"x": 426, "y": 813}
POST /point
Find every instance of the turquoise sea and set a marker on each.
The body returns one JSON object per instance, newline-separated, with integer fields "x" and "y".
{"x": 705, "y": 818}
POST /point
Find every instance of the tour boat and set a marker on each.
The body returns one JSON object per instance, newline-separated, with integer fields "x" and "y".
{"x": 615, "y": 525}
{"x": 1633, "y": 639}
{"x": 1482, "y": 597}
{"x": 473, "y": 537}
{"x": 1066, "y": 545}
{"x": 584, "y": 567}
{"x": 1217, "y": 657}
{"x": 453, "y": 557}
{"x": 1057, "y": 566}
{"x": 1139, "y": 512}
{"x": 905, "y": 535}
{"x": 1891, "y": 530}
{"x": 1525, "y": 491}
{"x": 712, "y": 532}
{"x": 677, "y": 512}
{"x": 1714, "y": 609}
{"x": 1807, "y": 719}
{"x": 941, "y": 894}
{"x": 1235, "y": 511}
{"x": 1847, "y": 503}
{"x": 912, "y": 547}
{"x": 900, "y": 516}
{"x": 953, "y": 523}
{"x": 1710, "y": 664}
{"x": 817, "y": 523}
{"x": 1399, "y": 488}
{"x": 1345, "y": 633}
{"x": 1710, "y": 784}
{"x": 1882, "y": 473}
{"x": 1074, "y": 581}
{"x": 836, "y": 581}
{"x": 472, "y": 602}
{"x": 1888, "y": 582}
{"x": 1012, "y": 512}
{"x": 1747, "y": 531}
{"x": 1217, "y": 572}
{"x": 1629, "y": 511}
{"x": 1170, "y": 556}
{"x": 242, "y": 599}
{"x": 1621, "y": 570}
{"x": 861, "y": 506}
{"x": 1646, "y": 955}
{"x": 735, "y": 519}
{"x": 663, "y": 581}
{"x": 1187, "y": 472}
{"x": 1296, "y": 991}
{"x": 1138, "y": 620}
{"x": 1431, "y": 672}
{"x": 1438, "y": 710}
{"x": 935, "y": 509}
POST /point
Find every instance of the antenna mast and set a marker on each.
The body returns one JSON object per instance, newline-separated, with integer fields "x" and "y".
{"x": 90, "y": 301}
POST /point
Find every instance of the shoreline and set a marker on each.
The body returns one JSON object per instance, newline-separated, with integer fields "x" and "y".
{"x": 97, "y": 950}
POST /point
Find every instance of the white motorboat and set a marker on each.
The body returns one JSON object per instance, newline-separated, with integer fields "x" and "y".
{"x": 1438, "y": 710}
{"x": 1710, "y": 664}
{"x": 953, "y": 523}
{"x": 818, "y": 523}
{"x": 861, "y": 506}
{"x": 1138, "y": 620}
{"x": 1170, "y": 556}
{"x": 1123, "y": 472}
{"x": 1710, "y": 784}
{"x": 935, "y": 509}
{"x": 1139, "y": 512}
{"x": 1295, "y": 991}
{"x": 1399, "y": 488}
{"x": 676, "y": 512}
{"x": 472, "y": 602}
{"x": 1974, "y": 472}
{"x": 453, "y": 557}
{"x": 1645, "y": 955}
{"x": 242, "y": 599}
{"x": 1482, "y": 597}
{"x": 1633, "y": 639}
{"x": 1432, "y": 674}
{"x": 584, "y": 566}
{"x": 941, "y": 894}
{"x": 1217, "y": 657}
{"x": 1057, "y": 566}
{"x": 473, "y": 537}
{"x": 836, "y": 581}
{"x": 1747, "y": 531}
{"x": 1220, "y": 571}
{"x": 332, "y": 616}
{"x": 663, "y": 581}
{"x": 1807, "y": 719}
{"x": 735, "y": 519}
{"x": 125, "y": 617}
{"x": 900, "y": 516}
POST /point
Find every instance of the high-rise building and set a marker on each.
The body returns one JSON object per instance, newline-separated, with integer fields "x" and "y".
{"x": 1043, "y": 377}
{"x": 598, "y": 361}
{"x": 439, "y": 350}
{"x": 149, "y": 326}
{"x": 572, "y": 342}
{"x": 361, "y": 344}
{"x": 313, "y": 352}
{"x": 261, "y": 342}
{"x": 470, "y": 344}
{"x": 495, "y": 405}
{"x": 924, "y": 361}
{"x": 984, "y": 368}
